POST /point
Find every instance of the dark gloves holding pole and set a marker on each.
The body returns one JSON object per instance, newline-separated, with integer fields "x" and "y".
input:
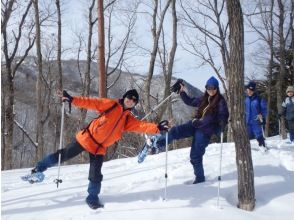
{"x": 67, "y": 98}
{"x": 177, "y": 86}
{"x": 163, "y": 125}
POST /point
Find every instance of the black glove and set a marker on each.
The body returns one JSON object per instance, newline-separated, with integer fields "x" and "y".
{"x": 163, "y": 125}
{"x": 222, "y": 125}
{"x": 68, "y": 97}
{"x": 177, "y": 86}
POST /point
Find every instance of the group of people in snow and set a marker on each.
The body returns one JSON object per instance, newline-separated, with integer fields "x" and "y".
{"x": 116, "y": 118}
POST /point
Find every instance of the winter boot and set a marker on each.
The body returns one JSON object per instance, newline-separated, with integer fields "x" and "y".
{"x": 199, "y": 180}
{"x": 261, "y": 144}
{"x": 92, "y": 199}
{"x": 34, "y": 177}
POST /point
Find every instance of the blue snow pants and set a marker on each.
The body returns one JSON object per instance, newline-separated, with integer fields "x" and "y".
{"x": 199, "y": 143}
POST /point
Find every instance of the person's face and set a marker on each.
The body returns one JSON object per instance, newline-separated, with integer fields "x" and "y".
{"x": 211, "y": 90}
{"x": 290, "y": 94}
{"x": 249, "y": 92}
{"x": 130, "y": 101}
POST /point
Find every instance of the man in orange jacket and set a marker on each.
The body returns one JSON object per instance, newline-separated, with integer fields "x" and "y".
{"x": 115, "y": 118}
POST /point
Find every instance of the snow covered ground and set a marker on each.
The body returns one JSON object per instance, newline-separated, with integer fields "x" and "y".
{"x": 135, "y": 191}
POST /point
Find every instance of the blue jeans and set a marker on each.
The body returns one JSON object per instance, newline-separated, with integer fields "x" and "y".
{"x": 71, "y": 150}
{"x": 199, "y": 143}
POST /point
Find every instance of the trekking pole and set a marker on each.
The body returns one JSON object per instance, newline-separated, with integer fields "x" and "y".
{"x": 166, "y": 150}
{"x": 156, "y": 107}
{"x": 279, "y": 120}
{"x": 57, "y": 181}
{"x": 220, "y": 167}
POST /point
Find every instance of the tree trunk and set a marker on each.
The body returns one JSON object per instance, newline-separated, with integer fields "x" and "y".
{"x": 282, "y": 73}
{"x": 168, "y": 76}
{"x": 59, "y": 85}
{"x": 7, "y": 132}
{"x": 246, "y": 194}
{"x": 39, "y": 86}
{"x": 156, "y": 36}
{"x": 101, "y": 51}
{"x": 270, "y": 70}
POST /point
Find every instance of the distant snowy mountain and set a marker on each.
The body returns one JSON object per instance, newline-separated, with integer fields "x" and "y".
{"x": 132, "y": 191}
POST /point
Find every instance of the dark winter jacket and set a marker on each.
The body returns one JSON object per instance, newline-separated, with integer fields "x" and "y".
{"x": 254, "y": 105}
{"x": 288, "y": 108}
{"x": 210, "y": 123}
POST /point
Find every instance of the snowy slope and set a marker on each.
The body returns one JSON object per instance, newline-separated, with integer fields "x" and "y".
{"x": 135, "y": 191}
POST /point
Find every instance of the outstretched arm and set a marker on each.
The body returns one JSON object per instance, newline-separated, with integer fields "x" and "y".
{"x": 135, "y": 125}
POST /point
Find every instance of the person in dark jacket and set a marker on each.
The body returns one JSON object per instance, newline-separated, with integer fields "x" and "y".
{"x": 255, "y": 111}
{"x": 211, "y": 117}
{"x": 288, "y": 111}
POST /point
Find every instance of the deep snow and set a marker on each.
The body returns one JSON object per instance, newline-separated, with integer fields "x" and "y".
{"x": 135, "y": 191}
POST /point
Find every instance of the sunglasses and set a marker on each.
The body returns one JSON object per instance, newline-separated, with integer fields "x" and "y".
{"x": 210, "y": 88}
{"x": 132, "y": 98}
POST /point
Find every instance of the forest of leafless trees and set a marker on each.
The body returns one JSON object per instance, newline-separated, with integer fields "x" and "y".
{"x": 211, "y": 31}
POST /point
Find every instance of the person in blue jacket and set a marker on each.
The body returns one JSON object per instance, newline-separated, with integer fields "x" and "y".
{"x": 255, "y": 111}
{"x": 211, "y": 118}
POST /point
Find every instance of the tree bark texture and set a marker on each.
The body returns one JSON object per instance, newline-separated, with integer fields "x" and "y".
{"x": 101, "y": 51}
{"x": 246, "y": 192}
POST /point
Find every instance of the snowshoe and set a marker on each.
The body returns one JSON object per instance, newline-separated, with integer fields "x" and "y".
{"x": 36, "y": 177}
{"x": 149, "y": 146}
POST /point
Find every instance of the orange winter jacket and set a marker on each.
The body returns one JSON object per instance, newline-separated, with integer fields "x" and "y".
{"x": 105, "y": 130}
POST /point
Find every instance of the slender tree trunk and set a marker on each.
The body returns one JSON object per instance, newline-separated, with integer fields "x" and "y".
{"x": 39, "y": 86}
{"x": 101, "y": 50}
{"x": 270, "y": 70}
{"x": 8, "y": 116}
{"x": 59, "y": 85}
{"x": 246, "y": 193}
{"x": 170, "y": 65}
{"x": 282, "y": 73}
{"x": 156, "y": 36}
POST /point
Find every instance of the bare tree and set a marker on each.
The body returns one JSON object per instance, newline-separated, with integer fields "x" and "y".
{"x": 116, "y": 52}
{"x": 59, "y": 84}
{"x": 246, "y": 192}
{"x": 11, "y": 48}
{"x": 212, "y": 33}
{"x": 39, "y": 86}
{"x": 101, "y": 50}
{"x": 156, "y": 31}
{"x": 167, "y": 63}
{"x": 282, "y": 72}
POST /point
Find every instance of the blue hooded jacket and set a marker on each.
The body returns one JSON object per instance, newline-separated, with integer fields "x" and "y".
{"x": 254, "y": 105}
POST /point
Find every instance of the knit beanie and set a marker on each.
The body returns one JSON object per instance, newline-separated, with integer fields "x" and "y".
{"x": 212, "y": 81}
{"x": 132, "y": 93}
{"x": 251, "y": 85}
{"x": 290, "y": 89}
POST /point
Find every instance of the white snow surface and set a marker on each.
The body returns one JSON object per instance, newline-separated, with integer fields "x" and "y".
{"x": 136, "y": 191}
